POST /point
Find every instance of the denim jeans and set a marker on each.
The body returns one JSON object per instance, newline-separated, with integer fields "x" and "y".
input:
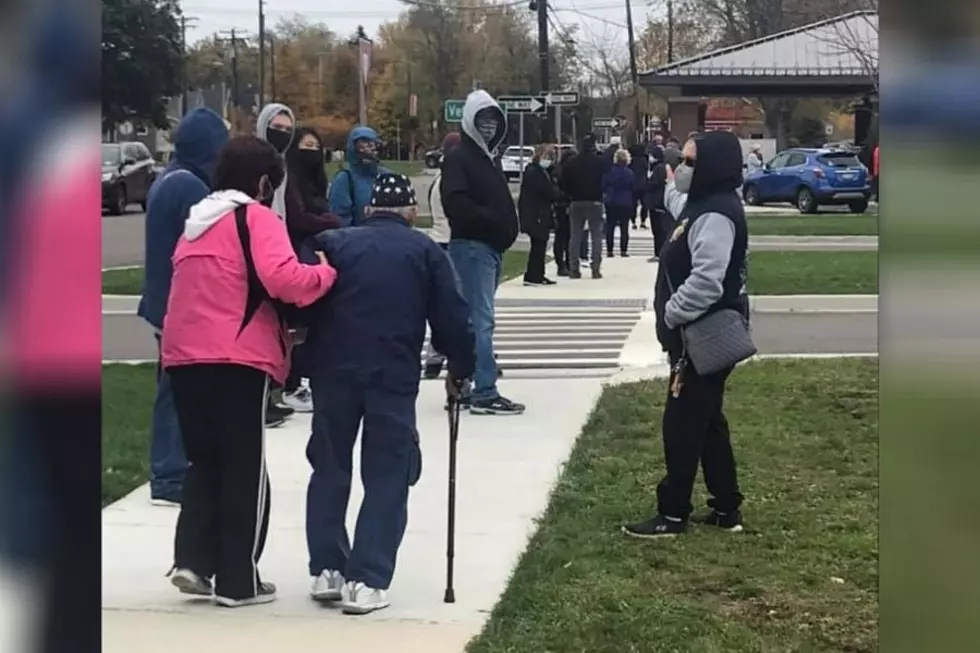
{"x": 168, "y": 463}
{"x": 478, "y": 268}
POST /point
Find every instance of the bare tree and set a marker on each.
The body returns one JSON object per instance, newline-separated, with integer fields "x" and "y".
{"x": 855, "y": 41}
{"x": 605, "y": 62}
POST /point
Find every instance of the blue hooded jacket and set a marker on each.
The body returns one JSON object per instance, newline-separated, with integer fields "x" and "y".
{"x": 351, "y": 210}
{"x": 185, "y": 182}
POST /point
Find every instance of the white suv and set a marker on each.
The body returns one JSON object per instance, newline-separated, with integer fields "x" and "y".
{"x": 510, "y": 162}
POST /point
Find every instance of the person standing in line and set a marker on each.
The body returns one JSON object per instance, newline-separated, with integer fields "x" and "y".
{"x": 582, "y": 177}
{"x": 535, "y": 208}
{"x": 703, "y": 269}
{"x": 563, "y": 232}
{"x": 615, "y": 144}
{"x": 277, "y": 126}
{"x": 753, "y": 162}
{"x": 224, "y": 341}
{"x": 640, "y": 165}
{"x": 483, "y": 222}
{"x": 186, "y": 181}
{"x": 306, "y": 216}
{"x": 350, "y": 192}
{"x": 440, "y": 233}
{"x": 366, "y": 375}
{"x": 673, "y": 156}
{"x": 617, "y": 198}
{"x": 660, "y": 220}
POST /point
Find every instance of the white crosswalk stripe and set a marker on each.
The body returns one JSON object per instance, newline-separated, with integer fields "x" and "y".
{"x": 562, "y": 337}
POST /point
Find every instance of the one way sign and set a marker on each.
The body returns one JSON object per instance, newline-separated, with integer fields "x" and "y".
{"x": 521, "y": 103}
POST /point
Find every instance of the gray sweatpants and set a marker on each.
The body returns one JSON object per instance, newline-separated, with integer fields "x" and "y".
{"x": 580, "y": 215}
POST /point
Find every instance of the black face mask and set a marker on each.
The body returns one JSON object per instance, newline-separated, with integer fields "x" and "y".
{"x": 309, "y": 160}
{"x": 279, "y": 139}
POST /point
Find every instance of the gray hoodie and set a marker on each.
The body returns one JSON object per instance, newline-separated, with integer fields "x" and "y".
{"x": 269, "y": 112}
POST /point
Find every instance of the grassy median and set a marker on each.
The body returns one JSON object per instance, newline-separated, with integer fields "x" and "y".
{"x": 813, "y": 273}
{"x": 813, "y": 225}
{"x": 802, "y": 577}
{"x": 128, "y": 392}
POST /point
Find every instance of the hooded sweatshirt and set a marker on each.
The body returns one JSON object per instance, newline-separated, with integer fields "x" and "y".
{"x": 703, "y": 265}
{"x": 215, "y": 315}
{"x": 475, "y": 193}
{"x": 350, "y": 191}
{"x": 269, "y": 112}
{"x": 184, "y": 183}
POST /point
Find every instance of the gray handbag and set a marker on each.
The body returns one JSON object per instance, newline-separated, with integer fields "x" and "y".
{"x": 717, "y": 340}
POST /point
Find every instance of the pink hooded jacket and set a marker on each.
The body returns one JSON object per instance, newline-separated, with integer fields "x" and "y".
{"x": 209, "y": 289}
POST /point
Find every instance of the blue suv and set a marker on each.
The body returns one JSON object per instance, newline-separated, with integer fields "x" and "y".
{"x": 810, "y": 178}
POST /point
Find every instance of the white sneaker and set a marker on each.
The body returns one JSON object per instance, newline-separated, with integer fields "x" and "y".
{"x": 301, "y": 400}
{"x": 328, "y": 586}
{"x": 190, "y": 583}
{"x": 358, "y": 598}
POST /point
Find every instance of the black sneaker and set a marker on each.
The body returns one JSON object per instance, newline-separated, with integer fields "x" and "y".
{"x": 657, "y": 526}
{"x": 498, "y": 406}
{"x": 624, "y": 254}
{"x": 610, "y": 255}
{"x": 727, "y": 521}
{"x": 549, "y": 282}
{"x": 534, "y": 283}
{"x": 596, "y": 274}
{"x": 464, "y": 403}
{"x": 276, "y": 416}
{"x": 266, "y": 594}
{"x": 432, "y": 370}
{"x": 562, "y": 272}
{"x": 574, "y": 274}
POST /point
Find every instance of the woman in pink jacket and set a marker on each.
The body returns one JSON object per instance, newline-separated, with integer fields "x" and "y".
{"x": 223, "y": 341}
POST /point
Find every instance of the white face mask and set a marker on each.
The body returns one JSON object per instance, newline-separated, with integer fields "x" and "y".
{"x": 682, "y": 177}
{"x": 545, "y": 163}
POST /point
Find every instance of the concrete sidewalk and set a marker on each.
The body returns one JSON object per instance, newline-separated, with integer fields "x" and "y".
{"x": 507, "y": 466}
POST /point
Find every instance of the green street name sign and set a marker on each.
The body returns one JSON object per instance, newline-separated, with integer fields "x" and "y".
{"x": 452, "y": 110}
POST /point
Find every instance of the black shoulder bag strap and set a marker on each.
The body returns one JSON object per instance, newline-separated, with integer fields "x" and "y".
{"x": 256, "y": 291}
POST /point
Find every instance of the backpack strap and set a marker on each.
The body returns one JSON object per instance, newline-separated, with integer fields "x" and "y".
{"x": 256, "y": 291}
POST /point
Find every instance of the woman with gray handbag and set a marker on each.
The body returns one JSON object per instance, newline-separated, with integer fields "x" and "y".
{"x": 702, "y": 324}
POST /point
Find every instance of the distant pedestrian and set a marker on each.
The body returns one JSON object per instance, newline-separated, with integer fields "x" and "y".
{"x": 640, "y": 165}
{"x": 702, "y": 270}
{"x": 224, "y": 342}
{"x": 615, "y": 144}
{"x": 563, "y": 232}
{"x": 661, "y": 222}
{"x": 441, "y": 233}
{"x": 673, "y": 156}
{"x": 535, "y": 207}
{"x": 617, "y": 198}
{"x": 582, "y": 177}
{"x": 484, "y": 225}
{"x": 366, "y": 377}
{"x": 753, "y": 162}
{"x": 185, "y": 182}
{"x": 350, "y": 191}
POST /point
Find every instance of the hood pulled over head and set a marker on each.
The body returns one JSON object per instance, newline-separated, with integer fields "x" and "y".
{"x": 199, "y": 138}
{"x": 719, "y": 165}
{"x": 480, "y": 112}
{"x": 264, "y": 120}
{"x": 359, "y": 133}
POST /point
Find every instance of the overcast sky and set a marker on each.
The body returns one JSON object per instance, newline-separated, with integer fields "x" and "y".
{"x": 601, "y": 20}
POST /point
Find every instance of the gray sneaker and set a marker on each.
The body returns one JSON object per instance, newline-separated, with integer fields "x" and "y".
{"x": 358, "y": 598}
{"x": 189, "y": 582}
{"x": 266, "y": 594}
{"x": 498, "y": 406}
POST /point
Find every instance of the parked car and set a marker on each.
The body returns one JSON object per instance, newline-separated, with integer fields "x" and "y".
{"x": 127, "y": 174}
{"x": 811, "y": 178}
{"x": 510, "y": 162}
{"x": 433, "y": 158}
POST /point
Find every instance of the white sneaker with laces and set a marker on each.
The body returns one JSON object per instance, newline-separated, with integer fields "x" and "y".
{"x": 328, "y": 586}
{"x": 358, "y": 598}
{"x": 301, "y": 400}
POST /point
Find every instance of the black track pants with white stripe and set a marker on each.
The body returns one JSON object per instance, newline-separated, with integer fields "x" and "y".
{"x": 224, "y": 514}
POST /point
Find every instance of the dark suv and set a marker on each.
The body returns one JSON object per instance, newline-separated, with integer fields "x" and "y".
{"x": 127, "y": 173}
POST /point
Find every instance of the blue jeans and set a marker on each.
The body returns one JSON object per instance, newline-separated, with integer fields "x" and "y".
{"x": 478, "y": 268}
{"x": 168, "y": 463}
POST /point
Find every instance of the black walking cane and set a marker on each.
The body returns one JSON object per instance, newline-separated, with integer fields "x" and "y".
{"x": 450, "y": 595}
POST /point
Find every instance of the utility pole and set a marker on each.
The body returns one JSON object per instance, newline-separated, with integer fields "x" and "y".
{"x": 184, "y": 82}
{"x": 234, "y": 35}
{"x": 261, "y": 53}
{"x": 633, "y": 74}
{"x": 542, "y": 8}
{"x": 272, "y": 65}
{"x": 670, "y": 31}
{"x": 319, "y": 79}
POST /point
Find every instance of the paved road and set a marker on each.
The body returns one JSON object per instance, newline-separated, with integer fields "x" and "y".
{"x": 586, "y": 337}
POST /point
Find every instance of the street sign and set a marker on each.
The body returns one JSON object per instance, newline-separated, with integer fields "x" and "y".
{"x": 608, "y": 123}
{"x": 452, "y": 110}
{"x": 521, "y": 103}
{"x": 561, "y": 98}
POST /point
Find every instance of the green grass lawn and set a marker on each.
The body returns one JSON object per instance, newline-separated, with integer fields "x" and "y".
{"x": 813, "y": 225}
{"x": 816, "y": 273}
{"x": 410, "y": 168}
{"x": 803, "y": 577}
{"x": 130, "y": 282}
{"x": 127, "y": 404}
{"x": 122, "y": 282}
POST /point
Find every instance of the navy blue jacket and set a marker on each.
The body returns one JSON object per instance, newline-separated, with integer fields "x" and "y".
{"x": 185, "y": 182}
{"x": 391, "y": 279}
{"x": 617, "y": 186}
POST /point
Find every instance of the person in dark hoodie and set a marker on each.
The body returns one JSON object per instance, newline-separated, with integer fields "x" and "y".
{"x": 365, "y": 369}
{"x": 185, "y": 182}
{"x": 562, "y": 225}
{"x": 656, "y": 184}
{"x": 640, "y": 165}
{"x": 350, "y": 192}
{"x": 703, "y": 268}
{"x": 582, "y": 180}
{"x": 483, "y": 224}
